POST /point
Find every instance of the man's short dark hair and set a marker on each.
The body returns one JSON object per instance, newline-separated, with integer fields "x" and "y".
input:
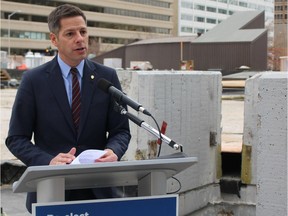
{"x": 62, "y": 11}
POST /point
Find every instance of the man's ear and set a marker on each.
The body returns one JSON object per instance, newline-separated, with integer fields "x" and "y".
{"x": 53, "y": 39}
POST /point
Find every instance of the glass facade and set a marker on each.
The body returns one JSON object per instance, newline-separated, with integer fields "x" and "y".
{"x": 137, "y": 14}
{"x": 212, "y": 12}
{"x": 150, "y": 2}
{"x": 130, "y": 31}
{"x": 109, "y": 10}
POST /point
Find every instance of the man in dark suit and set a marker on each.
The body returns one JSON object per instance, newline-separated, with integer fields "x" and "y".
{"x": 42, "y": 131}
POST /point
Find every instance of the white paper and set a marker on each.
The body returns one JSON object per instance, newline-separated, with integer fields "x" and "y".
{"x": 88, "y": 156}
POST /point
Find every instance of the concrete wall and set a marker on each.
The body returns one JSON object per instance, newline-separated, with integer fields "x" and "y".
{"x": 190, "y": 102}
{"x": 265, "y": 131}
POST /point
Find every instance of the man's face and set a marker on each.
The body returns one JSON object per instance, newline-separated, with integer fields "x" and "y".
{"x": 72, "y": 40}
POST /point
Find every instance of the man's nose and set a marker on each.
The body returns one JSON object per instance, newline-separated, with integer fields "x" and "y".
{"x": 79, "y": 37}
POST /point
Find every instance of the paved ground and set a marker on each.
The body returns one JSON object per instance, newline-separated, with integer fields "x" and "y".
{"x": 232, "y": 125}
{"x": 7, "y": 99}
{"x": 14, "y": 204}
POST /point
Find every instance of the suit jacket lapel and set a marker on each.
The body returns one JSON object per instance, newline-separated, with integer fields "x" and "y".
{"x": 57, "y": 85}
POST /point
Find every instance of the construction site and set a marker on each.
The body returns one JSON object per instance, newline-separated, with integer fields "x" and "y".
{"x": 239, "y": 139}
{"x": 218, "y": 101}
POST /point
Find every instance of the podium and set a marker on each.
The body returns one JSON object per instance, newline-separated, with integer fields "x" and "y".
{"x": 50, "y": 182}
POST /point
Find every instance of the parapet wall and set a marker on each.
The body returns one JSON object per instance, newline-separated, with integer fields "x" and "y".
{"x": 265, "y": 133}
{"x": 190, "y": 103}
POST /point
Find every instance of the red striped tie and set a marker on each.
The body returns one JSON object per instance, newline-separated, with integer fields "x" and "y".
{"x": 76, "y": 98}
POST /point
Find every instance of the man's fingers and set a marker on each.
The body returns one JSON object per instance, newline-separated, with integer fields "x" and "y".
{"x": 72, "y": 151}
{"x": 110, "y": 156}
{"x": 64, "y": 158}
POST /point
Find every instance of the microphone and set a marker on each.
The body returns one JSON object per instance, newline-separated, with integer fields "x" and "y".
{"x": 148, "y": 128}
{"x": 119, "y": 96}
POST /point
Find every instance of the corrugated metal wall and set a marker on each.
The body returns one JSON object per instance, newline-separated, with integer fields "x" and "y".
{"x": 224, "y": 56}
{"x": 163, "y": 56}
{"x": 230, "y": 56}
{"x": 259, "y": 53}
{"x": 206, "y": 56}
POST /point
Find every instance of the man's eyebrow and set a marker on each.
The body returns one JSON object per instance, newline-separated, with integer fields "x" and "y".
{"x": 74, "y": 29}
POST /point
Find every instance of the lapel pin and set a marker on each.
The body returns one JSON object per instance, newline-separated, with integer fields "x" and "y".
{"x": 92, "y": 77}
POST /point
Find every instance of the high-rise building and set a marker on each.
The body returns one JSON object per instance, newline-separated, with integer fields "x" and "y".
{"x": 111, "y": 24}
{"x": 199, "y": 16}
{"x": 280, "y": 32}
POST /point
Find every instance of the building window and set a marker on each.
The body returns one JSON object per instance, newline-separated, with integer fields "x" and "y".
{"x": 233, "y": 2}
{"x": 200, "y": 7}
{"x": 198, "y": 30}
{"x": 186, "y": 17}
{"x": 209, "y": 20}
{"x": 278, "y": 16}
{"x": 138, "y": 14}
{"x": 150, "y": 2}
{"x": 243, "y": 4}
{"x": 222, "y": 11}
{"x": 211, "y": 9}
{"x": 127, "y": 27}
{"x": 186, "y": 29}
{"x": 188, "y": 5}
{"x": 25, "y": 35}
{"x": 200, "y": 19}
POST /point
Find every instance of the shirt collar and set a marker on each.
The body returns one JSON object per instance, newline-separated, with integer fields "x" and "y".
{"x": 65, "y": 69}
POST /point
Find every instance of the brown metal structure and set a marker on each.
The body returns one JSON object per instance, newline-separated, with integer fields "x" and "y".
{"x": 238, "y": 41}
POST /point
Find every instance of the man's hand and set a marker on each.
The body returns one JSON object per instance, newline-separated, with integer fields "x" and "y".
{"x": 64, "y": 158}
{"x": 110, "y": 156}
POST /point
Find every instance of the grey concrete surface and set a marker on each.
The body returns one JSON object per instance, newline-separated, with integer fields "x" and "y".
{"x": 7, "y": 99}
{"x": 13, "y": 204}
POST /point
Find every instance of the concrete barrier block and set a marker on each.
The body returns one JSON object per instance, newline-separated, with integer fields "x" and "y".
{"x": 190, "y": 102}
{"x": 250, "y": 132}
{"x": 266, "y": 131}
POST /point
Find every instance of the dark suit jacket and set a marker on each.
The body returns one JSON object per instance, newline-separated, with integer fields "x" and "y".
{"x": 41, "y": 111}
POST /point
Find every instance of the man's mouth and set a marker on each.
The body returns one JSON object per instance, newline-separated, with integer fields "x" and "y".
{"x": 80, "y": 49}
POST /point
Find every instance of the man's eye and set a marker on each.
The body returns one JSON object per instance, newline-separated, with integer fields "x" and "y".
{"x": 83, "y": 32}
{"x": 69, "y": 34}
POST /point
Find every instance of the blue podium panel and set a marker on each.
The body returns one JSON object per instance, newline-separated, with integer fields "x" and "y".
{"x": 164, "y": 205}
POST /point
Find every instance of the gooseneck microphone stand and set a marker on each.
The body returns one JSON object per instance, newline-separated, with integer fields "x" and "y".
{"x": 148, "y": 128}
